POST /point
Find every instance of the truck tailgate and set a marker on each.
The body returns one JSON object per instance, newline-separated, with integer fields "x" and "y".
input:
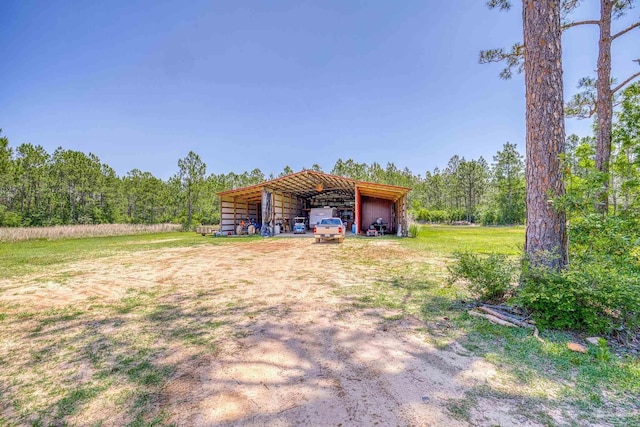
{"x": 326, "y": 230}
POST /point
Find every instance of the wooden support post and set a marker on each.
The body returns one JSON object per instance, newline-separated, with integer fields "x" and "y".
{"x": 263, "y": 206}
{"x": 405, "y": 225}
{"x": 234, "y": 215}
{"x": 357, "y": 211}
{"x": 291, "y": 215}
{"x": 273, "y": 209}
{"x": 394, "y": 216}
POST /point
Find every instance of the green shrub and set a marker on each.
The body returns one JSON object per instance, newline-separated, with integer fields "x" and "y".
{"x": 488, "y": 277}
{"x": 9, "y": 218}
{"x": 84, "y": 219}
{"x": 489, "y": 217}
{"x": 413, "y": 230}
{"x": 588, "y": 296}
{"x": 434, "y": 216}
{"x": 599, "y": 292}
{"x": 610, "y": 240}
{"x": 421, "y": 215}
{"x": 456, "y": 215}
{"x": 438, "y": 216}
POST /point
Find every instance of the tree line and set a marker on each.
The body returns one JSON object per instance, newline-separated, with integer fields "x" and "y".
{"x": 38, "y": 188}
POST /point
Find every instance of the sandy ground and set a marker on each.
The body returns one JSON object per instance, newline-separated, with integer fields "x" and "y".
{"x": 305, "y": 357}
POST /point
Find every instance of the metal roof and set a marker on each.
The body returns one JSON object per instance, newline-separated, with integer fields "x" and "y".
{"x": 307, "y": 183}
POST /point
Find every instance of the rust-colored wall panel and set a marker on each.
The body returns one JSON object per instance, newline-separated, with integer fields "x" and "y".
{"x": 376, "y": 208}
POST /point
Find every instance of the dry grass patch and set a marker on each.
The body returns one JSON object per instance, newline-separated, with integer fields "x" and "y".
{"x": 18, "y": 234}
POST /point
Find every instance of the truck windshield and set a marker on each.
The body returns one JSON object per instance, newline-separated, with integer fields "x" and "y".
{"x": 330, "y": 221}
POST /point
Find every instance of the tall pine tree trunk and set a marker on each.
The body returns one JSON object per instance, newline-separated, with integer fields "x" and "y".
{"x": 546, "y": 233}
{"x": 604, "y": 107}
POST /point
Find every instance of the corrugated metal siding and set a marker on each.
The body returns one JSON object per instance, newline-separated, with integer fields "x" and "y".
{"x": 284, "y": 206}
{"x": 232, "y": 212}
{"x": 376, "y": 208}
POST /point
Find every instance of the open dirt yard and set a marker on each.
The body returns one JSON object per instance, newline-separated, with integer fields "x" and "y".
{"x": 273, "y": 332}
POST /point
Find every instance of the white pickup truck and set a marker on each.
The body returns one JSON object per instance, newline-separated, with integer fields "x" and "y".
{"x": 329, "y": 229}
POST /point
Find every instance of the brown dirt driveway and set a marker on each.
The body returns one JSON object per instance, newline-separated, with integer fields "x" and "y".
{"x": 293, "y": 349}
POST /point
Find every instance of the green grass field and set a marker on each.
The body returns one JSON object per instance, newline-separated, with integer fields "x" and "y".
{"x": 446, "y": 240}
{"x": 45, "y": 352}
{"x": 35, "y": 255}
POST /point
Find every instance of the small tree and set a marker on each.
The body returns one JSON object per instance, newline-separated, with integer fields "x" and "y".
{"x": 191, "y": 176}
{"x": 472, "y": 176}
{"x": 508, "y": 185}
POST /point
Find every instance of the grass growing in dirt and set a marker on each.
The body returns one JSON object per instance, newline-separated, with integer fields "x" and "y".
{"x": 102, "y": 362}
{"x": 31, "y": 256}
{"x": 586, "y": 388}
{"x": 109, "y": 361}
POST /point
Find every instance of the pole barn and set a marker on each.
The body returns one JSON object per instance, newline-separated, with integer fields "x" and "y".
{"x": 362, "y": 206}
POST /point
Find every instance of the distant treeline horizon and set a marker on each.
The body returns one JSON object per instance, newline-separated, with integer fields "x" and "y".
{"x": 38, "y": 188}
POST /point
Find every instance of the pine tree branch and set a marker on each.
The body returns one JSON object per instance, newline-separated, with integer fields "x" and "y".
{"x": 626, "y": 30}
{"x": 621, "y": 85}
{"x": 514, "y": 59}
{"x": 499, "y": 4}
{"x": 575, "y": 24}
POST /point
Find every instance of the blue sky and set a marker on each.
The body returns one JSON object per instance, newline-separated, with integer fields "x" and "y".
{"x": 264, "y": 84}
